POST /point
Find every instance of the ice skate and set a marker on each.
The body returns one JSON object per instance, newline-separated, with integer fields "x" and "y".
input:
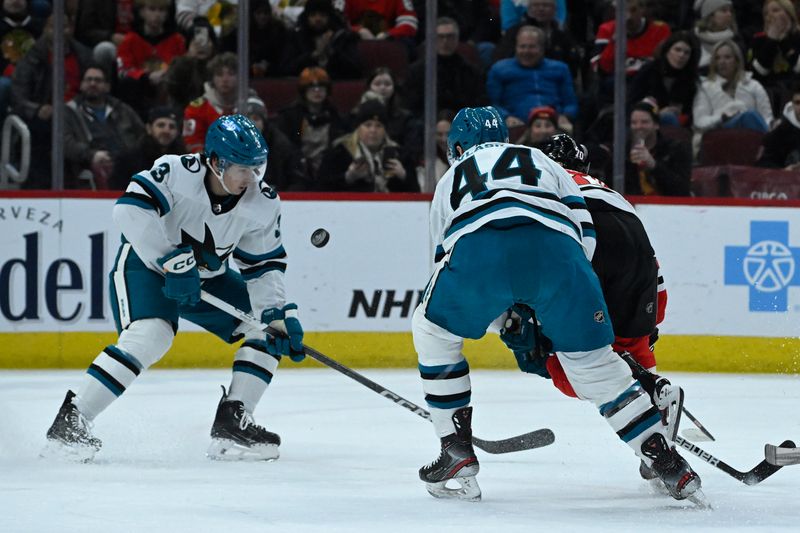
{"x": 668, "y": 398}
{"x": 70, "y": 434}
{"x": 457, "y": 461}
{"x": 678, "y": 477}
{"x": 236, "y": 437}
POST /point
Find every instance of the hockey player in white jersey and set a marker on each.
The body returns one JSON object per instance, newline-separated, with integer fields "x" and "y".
{"x": 181, "y": 221}
{"x": 511, "y": 227}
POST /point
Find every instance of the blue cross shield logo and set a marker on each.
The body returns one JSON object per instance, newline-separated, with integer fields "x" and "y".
{"x": 768, "y": 265}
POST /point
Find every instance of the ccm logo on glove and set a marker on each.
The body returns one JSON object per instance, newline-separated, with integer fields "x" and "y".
{"x": 180, "y": 263}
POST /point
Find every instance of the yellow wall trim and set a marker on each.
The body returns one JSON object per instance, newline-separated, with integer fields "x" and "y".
{"x": 396, "y": 350}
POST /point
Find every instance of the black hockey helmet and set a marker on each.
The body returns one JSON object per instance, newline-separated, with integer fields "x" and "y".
{"x": 563, "y": 149}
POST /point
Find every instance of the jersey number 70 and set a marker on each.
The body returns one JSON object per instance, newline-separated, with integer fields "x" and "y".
{"x": 475, "y": 182}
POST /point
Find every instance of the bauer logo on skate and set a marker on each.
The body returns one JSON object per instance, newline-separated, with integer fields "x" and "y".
{"x": 768, "y": 265}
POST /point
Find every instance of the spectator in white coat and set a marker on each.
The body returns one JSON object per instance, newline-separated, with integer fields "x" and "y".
{"x": 729, "y": 97}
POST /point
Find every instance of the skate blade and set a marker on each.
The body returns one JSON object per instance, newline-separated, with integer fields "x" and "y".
{"x": 228, "y": 450}
{"x": 468, "y": 491}
{"x": 657, "y": 487}
{"x": 56, "y": 449}
{"x": 698, "y": 498}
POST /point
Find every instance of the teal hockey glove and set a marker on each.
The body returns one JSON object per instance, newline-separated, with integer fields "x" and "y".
{"x": 532, "y": 362}
{"x": 286, "y": 321}
{"x": 182, "y": 279}
{"x": 519, "y": 333}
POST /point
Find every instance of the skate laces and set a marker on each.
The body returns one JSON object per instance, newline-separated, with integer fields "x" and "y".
{"x": 246, "y": 420}
{"x": 82, "y": 425}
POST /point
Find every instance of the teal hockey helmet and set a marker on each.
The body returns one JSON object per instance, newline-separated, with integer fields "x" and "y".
{"x": 473, "y": 126}
{"x": 235, "y": 140}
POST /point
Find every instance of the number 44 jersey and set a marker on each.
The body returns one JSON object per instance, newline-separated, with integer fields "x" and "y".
{"x": 504, "y": 184}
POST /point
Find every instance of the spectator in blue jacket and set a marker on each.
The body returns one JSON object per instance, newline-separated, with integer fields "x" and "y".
{"x": 527, "y": 80}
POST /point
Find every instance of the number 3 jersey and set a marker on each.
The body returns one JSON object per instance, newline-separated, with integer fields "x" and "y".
{"x": 499, "y": 182}
{"x": 169, "y": 206}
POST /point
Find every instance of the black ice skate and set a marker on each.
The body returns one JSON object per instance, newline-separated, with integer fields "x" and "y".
{"x": 647, "y": 473}
{"x": 456, "y": 461}
{"x": 70, "y": 435}
{"x": 236, "y": 437}
{"x": 679, "y": 479}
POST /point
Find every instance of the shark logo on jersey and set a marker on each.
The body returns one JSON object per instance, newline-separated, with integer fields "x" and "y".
{"x": 191, "y": 163}
{"x": 209, "y": 256}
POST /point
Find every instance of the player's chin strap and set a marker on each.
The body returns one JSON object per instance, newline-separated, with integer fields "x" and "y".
{"x": 526, "y": 441}
{"x": 219, "y": 176}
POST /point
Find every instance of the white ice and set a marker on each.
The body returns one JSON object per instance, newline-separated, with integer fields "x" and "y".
{"x": 349, "y": 459}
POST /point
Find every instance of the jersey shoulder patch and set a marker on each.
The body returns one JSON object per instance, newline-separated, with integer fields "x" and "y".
{"x": 192, "y": 163}
{"x": 198, "y": 102}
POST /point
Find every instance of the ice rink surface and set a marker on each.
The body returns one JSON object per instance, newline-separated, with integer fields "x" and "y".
{"x": 349, "y": 459}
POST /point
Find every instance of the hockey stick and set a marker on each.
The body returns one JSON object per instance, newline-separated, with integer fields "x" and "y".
{"x": 700, "y": 433}
{"x": 643, "y": 375}
{"x": 782, "y": 455}
{"x": 754, "y": 476}
{"x": 526, "y": 441}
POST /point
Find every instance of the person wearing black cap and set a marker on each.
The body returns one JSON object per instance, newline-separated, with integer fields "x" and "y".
{"x": 322, "y": 39}
{"x": 162, "y": 136}
{"x": 367, "y": 159}
{"x": 268, "y": 36}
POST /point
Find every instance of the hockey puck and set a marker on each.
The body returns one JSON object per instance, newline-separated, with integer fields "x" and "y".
{"x": 320, "y": 238}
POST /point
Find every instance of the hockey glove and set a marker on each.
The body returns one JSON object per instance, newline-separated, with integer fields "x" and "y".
{"x": 182, "y": 277}
{"x": 519, "y": 333}
{"x": 532, "y": 362}
{"x": 286, "y": 321}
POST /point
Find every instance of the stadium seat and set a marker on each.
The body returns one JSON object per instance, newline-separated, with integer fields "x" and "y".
{"x": 763, "y": 183}
{"x": 729, "y": 146}
{"x": 470, "y": 54}
{"x": 677, "y": 133}
{"x": 383, "y": 53}
{"x": 710, "y": 181}
{"x": 346, "y": 94}
{"x": 515, "y": 132}
{"x": 277, "y": 93}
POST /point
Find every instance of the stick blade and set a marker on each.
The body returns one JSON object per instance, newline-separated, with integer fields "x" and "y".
{"x": 526, "y": 441}
{"x": 696, "y": 435}
{"x": 782, "y": 455}
{"x": 764, "y": 469}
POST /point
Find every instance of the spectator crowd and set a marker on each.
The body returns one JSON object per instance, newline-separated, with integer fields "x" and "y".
{"x": 337, "y": 86}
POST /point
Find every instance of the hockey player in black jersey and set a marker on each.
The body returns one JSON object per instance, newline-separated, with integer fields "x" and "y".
{"x": 633, "y": 288}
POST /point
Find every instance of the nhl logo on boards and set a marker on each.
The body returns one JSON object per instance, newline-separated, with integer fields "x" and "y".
{"x": 599, "y": 317}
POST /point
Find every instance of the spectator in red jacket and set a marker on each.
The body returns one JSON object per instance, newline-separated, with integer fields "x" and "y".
{"x": 218, "y": 99}
{"x": 644, "y": 35}
{"x": 381, "y": 19}
{"x": 144, "y": 55}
